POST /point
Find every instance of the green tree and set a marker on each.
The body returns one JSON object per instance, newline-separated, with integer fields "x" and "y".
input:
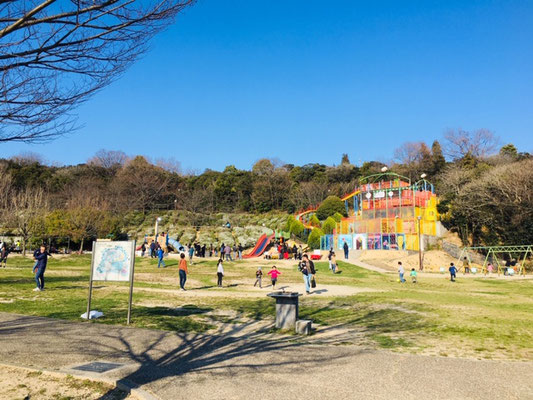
{"x": 330, "y": 206}
{"x": 297, "y": 228}
{"x": 314, "y": 238}
{"x": 509, "y": 151}
{"x": 329, "y": 225}
{"x": 345, "y": 159}
{"x": 438, "y": 160}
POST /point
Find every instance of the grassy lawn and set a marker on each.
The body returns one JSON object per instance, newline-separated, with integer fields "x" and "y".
{"x": 482, "y": 318}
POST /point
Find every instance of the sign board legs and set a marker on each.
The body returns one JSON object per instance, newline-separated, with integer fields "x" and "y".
{"x": 90, "y": 288}
{"x": 131, "y": 279}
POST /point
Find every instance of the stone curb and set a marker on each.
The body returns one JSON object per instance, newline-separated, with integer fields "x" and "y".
{"x": 122, "y": 384}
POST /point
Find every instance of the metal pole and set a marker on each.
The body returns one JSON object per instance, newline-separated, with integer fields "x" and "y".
{"x": 420, "y": 264}
{"x": 131, "y": 279}
{"x": 90, "y": 284}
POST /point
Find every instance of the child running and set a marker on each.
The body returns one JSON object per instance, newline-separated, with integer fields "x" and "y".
{"x": 258, "y": 276}
{"x": 453, "y": 272}
{"x": 220, "y": 273}
{"x": 274, "y": 273}
{"x": 413, "y": 275}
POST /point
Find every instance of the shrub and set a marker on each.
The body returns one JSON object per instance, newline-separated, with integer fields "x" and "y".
{"x": 330, "y": 206}
{"x": 297, "y": 228}
{"x": 290, "y": 220}
{"x": 314, "y": 221}
{"x": 329, "y": 225}
{"x": 337, "y": 217}
{"x": 314, "y": 238}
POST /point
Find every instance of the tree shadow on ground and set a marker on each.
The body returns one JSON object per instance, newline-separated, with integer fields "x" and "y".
{"x": 232, "y": 349}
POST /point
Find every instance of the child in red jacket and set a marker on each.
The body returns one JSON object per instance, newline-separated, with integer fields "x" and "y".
{"x": 274, "y": 273}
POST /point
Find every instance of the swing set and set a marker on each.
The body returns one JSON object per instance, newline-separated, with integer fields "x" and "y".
{"x": 522, "y": 252}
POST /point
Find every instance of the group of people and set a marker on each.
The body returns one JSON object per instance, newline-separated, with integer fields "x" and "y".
{"x": 225, "y": 252}
{"x": 286, "y": 252}
{"x": 401, "y": 273}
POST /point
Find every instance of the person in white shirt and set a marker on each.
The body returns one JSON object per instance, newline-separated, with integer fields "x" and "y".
{"x": 401, "y": 272}
{"x": 220, "y": 273}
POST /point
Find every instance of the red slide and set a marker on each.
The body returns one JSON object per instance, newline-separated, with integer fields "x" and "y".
{"x": 260, "y": 247}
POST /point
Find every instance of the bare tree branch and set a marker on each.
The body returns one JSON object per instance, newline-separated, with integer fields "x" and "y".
{"x": 55, "y": 54}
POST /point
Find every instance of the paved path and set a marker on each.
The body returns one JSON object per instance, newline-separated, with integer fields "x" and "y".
{"x": 254, "y": 365}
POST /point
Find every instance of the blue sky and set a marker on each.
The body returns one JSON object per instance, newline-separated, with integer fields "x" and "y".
{"x": 305, "y": 81}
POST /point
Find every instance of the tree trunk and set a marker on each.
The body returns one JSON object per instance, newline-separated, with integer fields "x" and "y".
{"x": 23, "y": 245}
{"x": 81, "y": 246}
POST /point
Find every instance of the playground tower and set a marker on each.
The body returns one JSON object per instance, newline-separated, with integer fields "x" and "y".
{"x": 386, "y": 211}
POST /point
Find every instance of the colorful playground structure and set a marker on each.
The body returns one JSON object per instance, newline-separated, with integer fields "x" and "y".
{"x": 385, "y": 211}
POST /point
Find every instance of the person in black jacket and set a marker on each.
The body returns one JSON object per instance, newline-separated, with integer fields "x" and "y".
{"x": 346, "y": 248}
{"x": 307, "y": 268}
{"x": 41, "y": 256}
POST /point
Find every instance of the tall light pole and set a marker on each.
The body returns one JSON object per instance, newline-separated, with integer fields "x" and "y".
{"x": 420, "y": 264}
{"x": 157, "y": 221}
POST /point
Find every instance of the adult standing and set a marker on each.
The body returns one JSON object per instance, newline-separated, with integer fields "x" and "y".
{"x": 152, "y": 249}
{"x": 183, "y": 271}
{"x": 466, "y": 266}
{"x": 240, "y": 248}
{"x": 191, "y": 252}
{"x": 4, "y": 252}
{"x": 42, "y": 259}
{"x": 220, "y": 272}
{"x": 227, "y": 252}
{"x": 346, "y": 250}
{"x": 307, "y": 268}
{"x": 401, "y": 272}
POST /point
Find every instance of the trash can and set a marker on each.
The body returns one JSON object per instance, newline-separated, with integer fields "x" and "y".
{"x": 286, "y": 309}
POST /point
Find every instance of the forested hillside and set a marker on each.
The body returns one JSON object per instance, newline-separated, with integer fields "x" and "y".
{"x": 486, "y": 193}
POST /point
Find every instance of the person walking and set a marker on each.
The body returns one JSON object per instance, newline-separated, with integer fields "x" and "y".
{"x": 453, "y": 272}
{"x": 307, "y": 268}
{"x": 258, "y": 277}
{"x": 274, "y": 273}
{"x": 333, "y": 261}
{"x": 183, "y": 271}
{"x": 42, "y": 259}
{"x": 191, "y": 253}
{"x": 143, "y": 249}
{"x": 401, "y": 272}
{"x": 160, "y": 255}
{"x": 220, "y": 273}
{"x": 240, "y": 249}
{"x": 346, "y": 250}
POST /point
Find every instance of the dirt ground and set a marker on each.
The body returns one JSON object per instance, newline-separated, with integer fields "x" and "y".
{"x": 19, "y": 383}
{"x": 433, "y": 260}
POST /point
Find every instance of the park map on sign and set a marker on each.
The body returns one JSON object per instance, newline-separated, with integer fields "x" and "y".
{"x": 112, "y": 261}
